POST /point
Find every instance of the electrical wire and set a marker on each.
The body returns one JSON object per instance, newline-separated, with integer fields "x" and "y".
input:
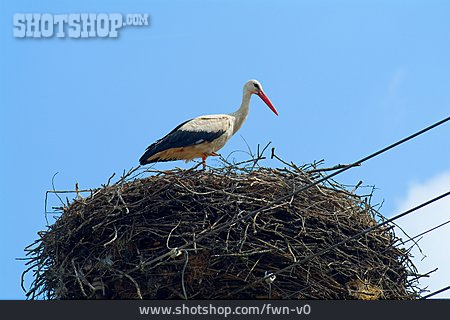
{"x": 425, "y": 232}
{"x": 435, "y": 293}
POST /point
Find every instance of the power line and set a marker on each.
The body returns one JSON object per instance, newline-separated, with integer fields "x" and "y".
{"x": 425, "y": 232}
{"x": 359, "y": 234}
{"x": 436, "y": 292}
{"x": 289, "y": 196}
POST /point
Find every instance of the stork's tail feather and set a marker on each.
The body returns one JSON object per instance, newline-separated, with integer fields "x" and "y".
{"x": 147, "y": 154}
{"x": 155, "y": 153}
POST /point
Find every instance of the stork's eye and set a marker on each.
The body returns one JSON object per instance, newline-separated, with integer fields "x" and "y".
{"x": 257, "y": 86}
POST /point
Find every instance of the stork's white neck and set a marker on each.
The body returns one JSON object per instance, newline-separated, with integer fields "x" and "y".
{"x": 240, "y": 114}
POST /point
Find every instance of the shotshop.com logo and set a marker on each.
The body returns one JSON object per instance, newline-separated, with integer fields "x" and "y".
{"x": 75, "y": 25}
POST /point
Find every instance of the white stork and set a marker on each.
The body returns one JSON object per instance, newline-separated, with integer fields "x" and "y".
{"x": 203, "y": 136}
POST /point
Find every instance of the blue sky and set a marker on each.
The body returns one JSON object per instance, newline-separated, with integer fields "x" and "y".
{"x": 347, "y": 78}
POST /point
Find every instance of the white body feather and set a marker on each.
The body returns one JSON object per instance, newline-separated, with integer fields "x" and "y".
{"x": 212, "y": 123}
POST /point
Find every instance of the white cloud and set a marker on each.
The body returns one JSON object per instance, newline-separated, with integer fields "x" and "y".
{"x": 434, "y": 245}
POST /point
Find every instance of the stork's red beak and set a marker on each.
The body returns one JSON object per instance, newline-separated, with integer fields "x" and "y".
{"x": 264, "y": 98}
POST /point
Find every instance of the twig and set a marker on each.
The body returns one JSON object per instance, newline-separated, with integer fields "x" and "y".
{"x": 113, "y": 239}
{"x": 182, "y": 273}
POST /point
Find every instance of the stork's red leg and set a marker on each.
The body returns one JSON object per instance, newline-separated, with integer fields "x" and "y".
{"x": 214, "y": 154}
{"x": 204, "y": 162}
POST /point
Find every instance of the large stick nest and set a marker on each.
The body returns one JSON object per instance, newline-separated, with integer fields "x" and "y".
{"x": 157, "y": 238}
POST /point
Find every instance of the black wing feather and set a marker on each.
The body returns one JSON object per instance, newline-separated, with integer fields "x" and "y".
{"x": 176, "y": 139}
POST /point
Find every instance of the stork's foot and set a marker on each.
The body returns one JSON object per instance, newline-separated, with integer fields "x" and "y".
{"x": 204, "y": 162}
{"x": 206, "y": 155}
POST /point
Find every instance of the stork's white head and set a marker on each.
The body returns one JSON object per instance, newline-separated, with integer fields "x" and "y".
{"x": 254, "y": 87}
